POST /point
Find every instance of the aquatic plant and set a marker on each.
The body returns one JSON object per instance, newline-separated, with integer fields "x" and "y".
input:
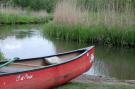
{"x": 91, "y": 34}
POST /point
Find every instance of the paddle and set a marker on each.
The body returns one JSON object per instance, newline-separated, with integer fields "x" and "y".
{"x": 8, "y": 62}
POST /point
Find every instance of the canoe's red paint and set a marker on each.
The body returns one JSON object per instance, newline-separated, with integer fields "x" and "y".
{"x": 48, "y": 77}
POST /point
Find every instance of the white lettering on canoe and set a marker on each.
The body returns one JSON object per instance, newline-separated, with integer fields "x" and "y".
{"x": 24, "y": 77}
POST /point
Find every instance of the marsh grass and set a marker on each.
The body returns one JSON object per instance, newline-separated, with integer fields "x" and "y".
{"x": 68, "y": 12}
{"x": 12, "y": 10}
{"x": 18, "y": 16}
{"x": 95, "y": 34}
{"x": 108, "y": 24}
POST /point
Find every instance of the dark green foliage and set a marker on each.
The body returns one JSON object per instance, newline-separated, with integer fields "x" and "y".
{"x": 48, "y": 5}
{"x": 92, "y": 34}
{"x": 21, "y": 3}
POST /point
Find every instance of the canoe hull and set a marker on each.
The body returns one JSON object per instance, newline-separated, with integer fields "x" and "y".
{"x": 47, "y": 78}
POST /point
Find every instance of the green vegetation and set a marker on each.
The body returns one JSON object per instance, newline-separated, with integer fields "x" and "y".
{"x": 74, "y": 85}
{"x": 1, "y": 56}
{"x": 84, "y": 34}
{"x": 20, "y": 19}
{"x": 19, "y": 16}
{"x": 47, "y": 5}
{"x": 108, "y": 25}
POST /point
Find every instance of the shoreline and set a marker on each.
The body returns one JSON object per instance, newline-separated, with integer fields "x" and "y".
{"x": 100, "y": 79}
{"x": 111, "y": 37}
{"x": 97, "y": 82}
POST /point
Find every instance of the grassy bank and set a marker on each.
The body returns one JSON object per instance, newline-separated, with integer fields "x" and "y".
{"x": 18, "y": 16}
{"x": 75, "y": 85}
{"x": 92, "y": 34}
{"x": 106, "y": 25}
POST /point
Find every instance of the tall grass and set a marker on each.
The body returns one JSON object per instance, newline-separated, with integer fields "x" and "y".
{"x": 93, "y": 34}
{"x": 68, "y": 12}
{"x": 16, "y": 15}
{"x": 19, "y": 11}
{"x": 106, "y": 24}
{"x": 117, "y": 5}
{"x": 12, "y": 10}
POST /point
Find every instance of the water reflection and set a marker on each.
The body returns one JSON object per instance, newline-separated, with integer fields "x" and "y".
{"x": 24, "y": 43}
{"x": 16, "y": 31}
{"x": 28, "y": 41}
{"x": 115, "y": 62}
{"x": 118, "y": 63}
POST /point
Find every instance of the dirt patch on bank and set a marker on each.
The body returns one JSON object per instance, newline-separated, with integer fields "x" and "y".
{"x": 100, "y": 79}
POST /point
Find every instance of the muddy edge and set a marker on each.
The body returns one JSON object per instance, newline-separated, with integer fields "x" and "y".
{"x": 100, "y": 79}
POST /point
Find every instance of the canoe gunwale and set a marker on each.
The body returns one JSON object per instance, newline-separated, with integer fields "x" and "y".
{"x": 53, "y": 65}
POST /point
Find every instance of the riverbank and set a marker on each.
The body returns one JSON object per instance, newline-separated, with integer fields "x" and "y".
{"x": 91, "y": 34}
{"x": 97, "y": 82}
{"x": 19, "y": 16}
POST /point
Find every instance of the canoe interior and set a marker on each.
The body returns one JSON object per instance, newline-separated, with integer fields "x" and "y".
{"x": 24, "y": 65}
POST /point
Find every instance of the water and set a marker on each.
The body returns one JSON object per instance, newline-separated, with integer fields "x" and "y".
{"x": 27, "y": 41}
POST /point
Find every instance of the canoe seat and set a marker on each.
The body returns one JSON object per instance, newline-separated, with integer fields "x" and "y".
{"x": 53, "y": 60}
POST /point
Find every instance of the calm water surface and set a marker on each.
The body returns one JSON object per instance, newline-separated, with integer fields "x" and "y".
{"x": 28, "y": 41}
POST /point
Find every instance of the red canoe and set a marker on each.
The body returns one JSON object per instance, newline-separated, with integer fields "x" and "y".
{"x": 46, "y": 72}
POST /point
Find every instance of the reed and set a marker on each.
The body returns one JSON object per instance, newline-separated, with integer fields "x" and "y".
{"x": 12, "y": 10}
{"x": 68, "y": 12}
{"x": 95, "y": 34}
{"x": 11, "y": 15}
{"x": 106, "y": 25}
{"x": 41, "y": 13}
